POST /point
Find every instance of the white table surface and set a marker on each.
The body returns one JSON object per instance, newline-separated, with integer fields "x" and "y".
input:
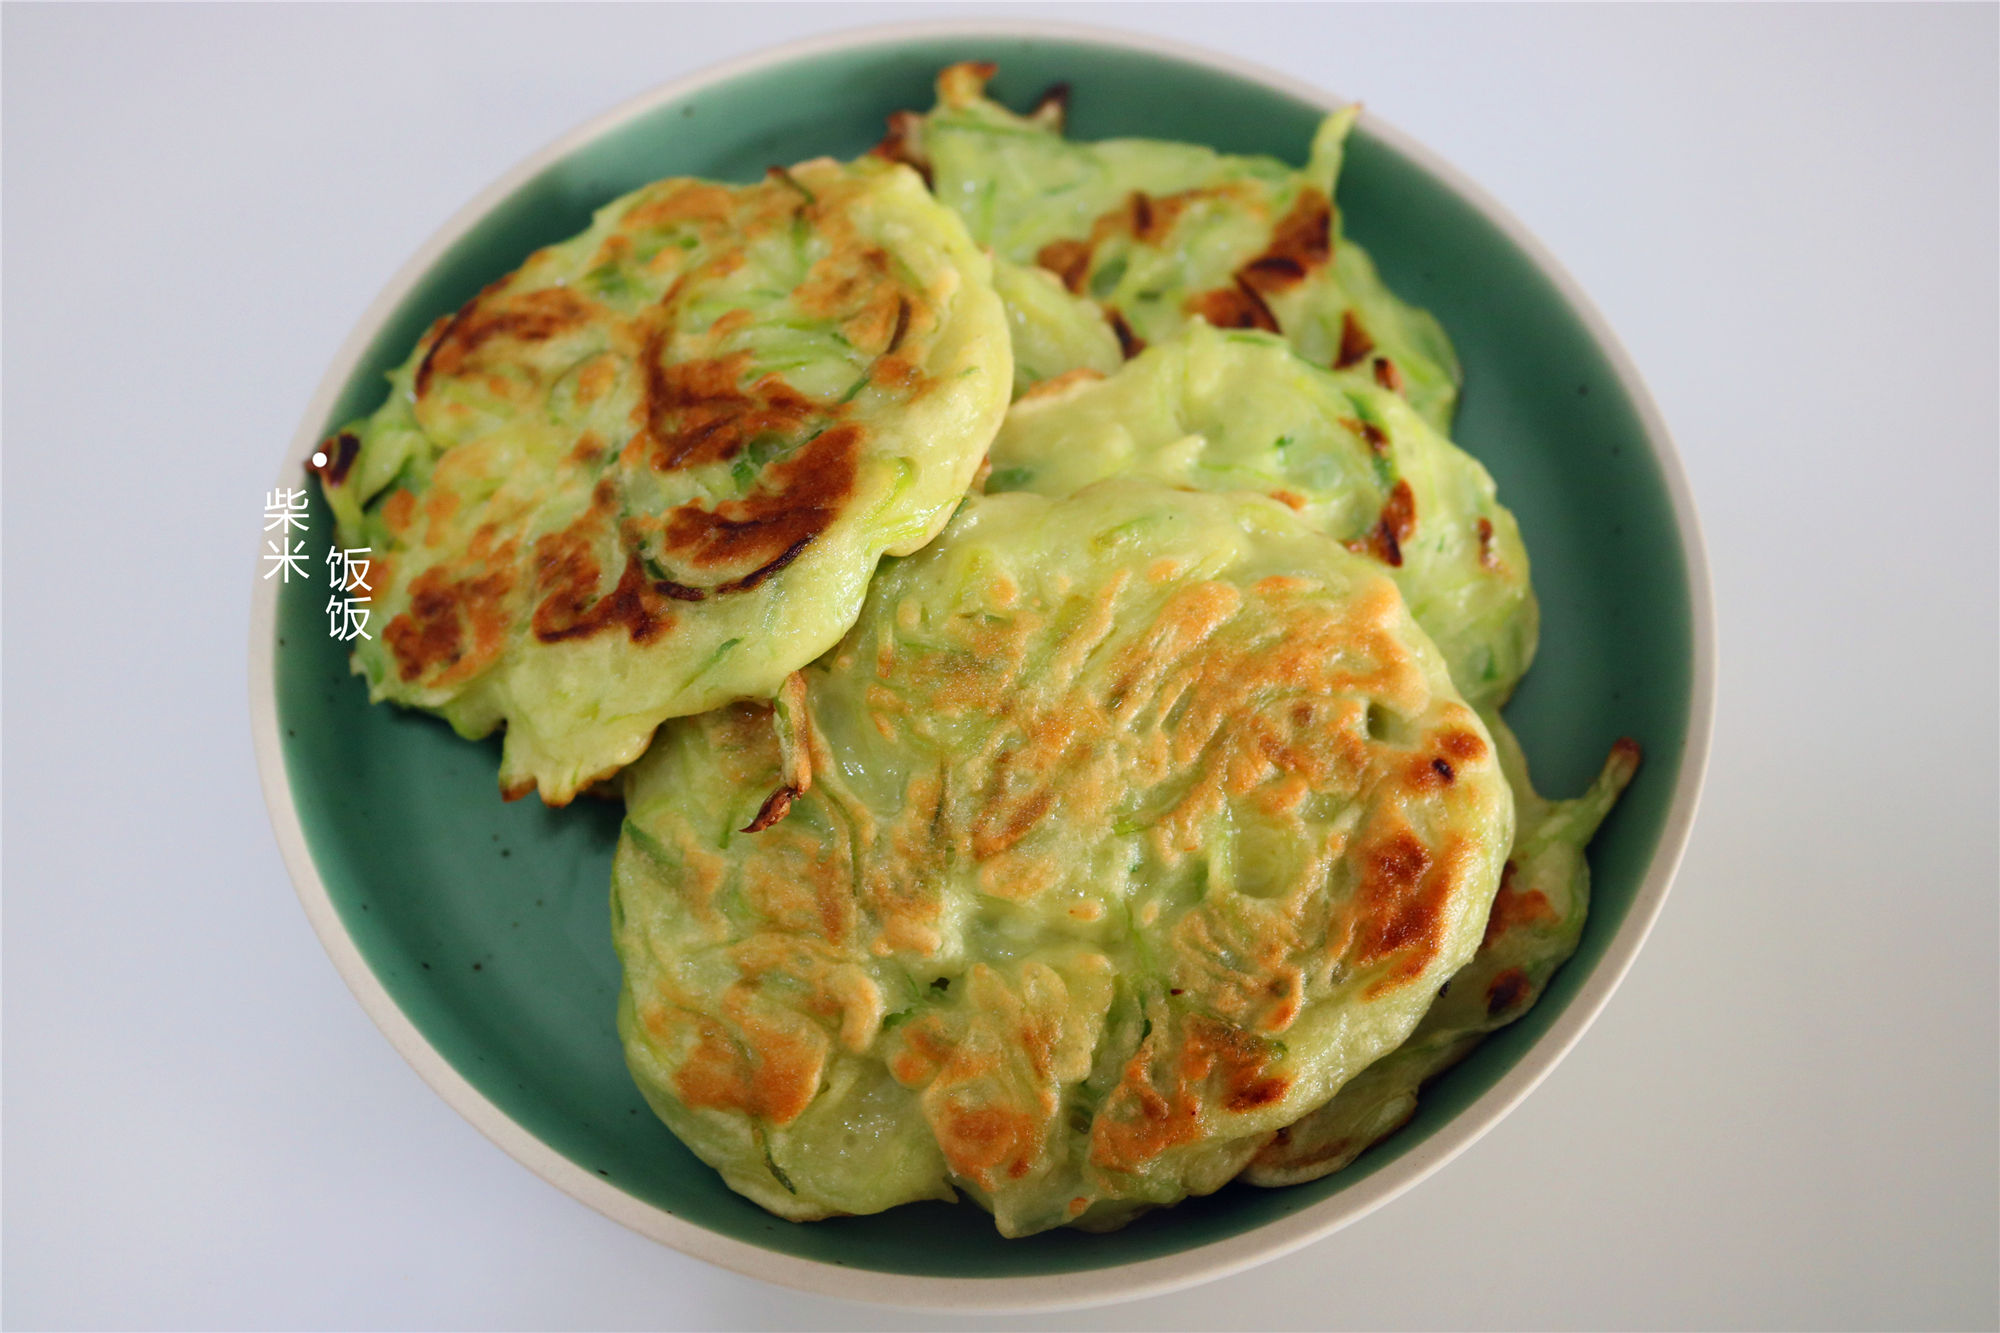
{"x": 1787, "y": 1117}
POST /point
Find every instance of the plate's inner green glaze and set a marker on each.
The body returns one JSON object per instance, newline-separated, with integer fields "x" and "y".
{"x": 489, "y": 923}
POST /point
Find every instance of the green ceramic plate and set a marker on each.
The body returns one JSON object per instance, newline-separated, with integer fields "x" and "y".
{"x": 476, "y": 933}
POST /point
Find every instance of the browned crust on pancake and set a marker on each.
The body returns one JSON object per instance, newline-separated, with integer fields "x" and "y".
{"x": 698, "y": 412}
{"x": 633, "y": 605}
{"x": 1234, "y": 307}
{"x": 899, "y": 144}
{"x": 1162, "y": 1099}
{"x": 1396, "y": 524}
{"x": 1148, "y": 219}
{"x": 1129, "y": 343}
{"x": 340, "y": 452}
{"x": 430, "y": 638}
{"x": 772, "y": 1074}
{"x": 1300, "y": 244}
{"x": 766, "y": 530}
{"x": 1506, "y": 991}
{"x": 694, "y": 408}
{"x": 1355, "y": 344}
{"x": 775, "y": 807}
{"x": 1514, "y": 910}
{"x": 1198, "y": 701}
{"x": 1068, "y": 260}
{"x": 531, "y": 316}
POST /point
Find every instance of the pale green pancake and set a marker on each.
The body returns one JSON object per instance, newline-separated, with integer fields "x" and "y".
{"x": 1156, "y": 233}
{"x": 1216, "y": 410}
{"x": 1054, "y": 332}
{"x": 651, "y": 471}
{"x": 1120, "y": 831}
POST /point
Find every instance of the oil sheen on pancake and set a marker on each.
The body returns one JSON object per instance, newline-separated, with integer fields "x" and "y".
{"x": 1120, "y": 831}
{"x": 1153, "y": 233}
{"x": 652, "y": 470}
{"x": 1229, "y": 410}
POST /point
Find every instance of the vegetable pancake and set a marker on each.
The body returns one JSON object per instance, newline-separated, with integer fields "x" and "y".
{"x": 1532, "y": 929}
{"x": 1053, "y": 331}
{"x": 1119, "y": 832}
{"x": 651, "y": 470}
{"x": 1239, "y": 410}
{"x": 1156, "y": 232}
{"x": 1225, "y": 411}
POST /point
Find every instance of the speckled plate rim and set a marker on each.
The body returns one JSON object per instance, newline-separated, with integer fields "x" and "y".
{"x": 1059, "y": 1291}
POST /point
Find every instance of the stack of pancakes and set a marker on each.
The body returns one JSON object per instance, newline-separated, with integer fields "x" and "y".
{"x": 1145, "y": 820}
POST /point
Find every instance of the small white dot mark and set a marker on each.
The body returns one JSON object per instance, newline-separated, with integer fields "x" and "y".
{"x": 319, "y": 459}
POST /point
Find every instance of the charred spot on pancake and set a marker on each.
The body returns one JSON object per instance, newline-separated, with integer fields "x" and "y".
{"x": 569, "y": 578}
{"x": 775, "y": 807}
{"x": 902, "y": 324}
{"x": 428, "y": 639}
{"x": 1234, "y": 307}
{"x": 1160, "y": 1101}
{"x": 698, "y": 411}
{"x": 1151, "y": 221}
{"x": 1393, "y": 870}
{"x": 1403, "y": 895}
{"x": 1355, "y": 344}
{"x": 1272, "y": 273}
{"x": 1506, "y": 991}
{"x": 768, "y": 568}
{"x": 1129, "y": 343}
{"x": 531, "y": 316}
{"x": 340, "y": 453}
{"x": 1069, "y": 260}
{"x": 427, "y": 636}
{"x": 1147, "y": 219}
{"x": 1376, "y": 438}
{"x": 1513, "y": 909}
{"x": 1487, "y": 557}
{"x": 1301, "y": 243}
{"x": 900, "y": 143}
{"x": 1395, "y": 526}
{"x": 1241, "y": 1061}
{"x": 1052, "y": 107}
{"x": 766, "y": 530}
